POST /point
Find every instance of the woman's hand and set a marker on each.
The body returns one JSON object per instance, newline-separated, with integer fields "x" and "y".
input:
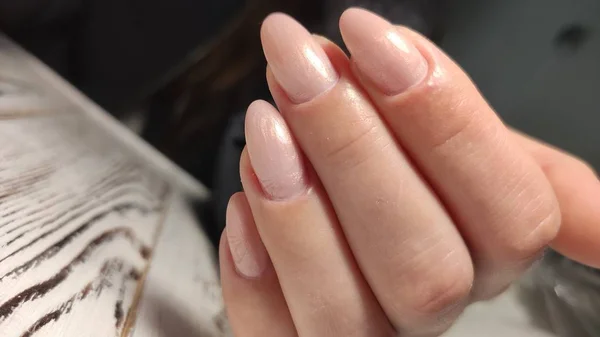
{"x": 386, "y": 195}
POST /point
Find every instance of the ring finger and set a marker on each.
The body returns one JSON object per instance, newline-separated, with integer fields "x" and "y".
{"x": 323, "y": 288}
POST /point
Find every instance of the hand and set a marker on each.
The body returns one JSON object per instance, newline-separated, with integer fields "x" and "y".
{"x": 386, "y": 195}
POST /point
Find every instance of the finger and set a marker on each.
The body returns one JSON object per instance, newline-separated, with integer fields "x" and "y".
{"x": 578, "y": 190}
{"x": 253, "y": 298}
{"x": 400, "y": 235}
{"x": 325, "y": 292}
{"x": 500, "y": 199}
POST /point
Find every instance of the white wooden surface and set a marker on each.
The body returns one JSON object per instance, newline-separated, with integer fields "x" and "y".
{"x": 97, "y": 233}
{"x": 190, "y": 306}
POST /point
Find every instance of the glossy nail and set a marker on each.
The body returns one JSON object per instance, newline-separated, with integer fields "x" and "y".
{"x": 382, "y": 54}
{"x": 273, "y": 153}
{"x": 298, "y": 62}
{"x": 247, "y": 250}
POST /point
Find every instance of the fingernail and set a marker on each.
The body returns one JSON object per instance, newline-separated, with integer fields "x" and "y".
{"x": 273, "y": 153}
{"x": 247, "y": 250}
{"x": 382, "y": 54}
{"x": 298, "y": 63}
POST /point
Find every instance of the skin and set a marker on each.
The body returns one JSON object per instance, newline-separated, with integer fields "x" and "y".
{"x": 384, "y": 195}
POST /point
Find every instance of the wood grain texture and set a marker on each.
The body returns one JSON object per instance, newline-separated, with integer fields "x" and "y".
{"x": 83, "y": 204}
{"x": 182, "y": 295}
{"x": 78, "y": 222}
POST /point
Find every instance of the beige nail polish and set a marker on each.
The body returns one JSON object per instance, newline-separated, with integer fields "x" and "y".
{"x": 273, "y": 153}
{"x": 247, "y": 250}
{"x": 382, "y": 54}
{"x": 298, "y": 62}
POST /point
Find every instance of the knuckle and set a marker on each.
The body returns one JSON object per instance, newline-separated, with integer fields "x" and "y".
{"x": 357, "y": 148}
{"x": 441, "y": 289}
{"x": 443, "y": 293}
{"x": 540, "y": 224}
{"x": 339, "y": 316}
{"x": 453, "y": 132}
{"x": 461, "y": 122}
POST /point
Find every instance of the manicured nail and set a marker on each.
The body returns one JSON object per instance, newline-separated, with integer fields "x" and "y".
{"x": 273, "y": 153}
{"x": 382, "y": 54}
{"x": 298, "y": 63}
{"x": 247, "y": 250}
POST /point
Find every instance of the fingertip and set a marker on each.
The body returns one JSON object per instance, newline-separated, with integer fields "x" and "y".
{"x": 350, "y": 15}
{"x": 272, "y": 21}
{"x": 299, "y": 64}
{"x": 253, "y": 112}
{"x": 383, "y": 55}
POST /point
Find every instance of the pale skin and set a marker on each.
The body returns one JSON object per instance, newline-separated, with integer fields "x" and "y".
{"x": 383, "y": 195}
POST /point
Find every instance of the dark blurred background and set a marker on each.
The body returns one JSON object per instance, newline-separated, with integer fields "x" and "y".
{"x": 181, "y": 72}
